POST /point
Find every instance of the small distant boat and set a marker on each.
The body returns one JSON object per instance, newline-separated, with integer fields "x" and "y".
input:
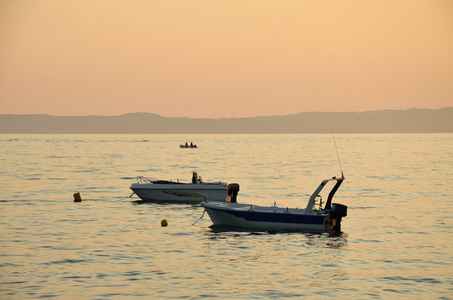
{"x": 186, "y": 145}
{"x": 179, "y": 192}
{"x": 317, "y": 216}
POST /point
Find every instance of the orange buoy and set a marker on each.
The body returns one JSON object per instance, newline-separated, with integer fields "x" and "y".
{"x": 77, "y": 197}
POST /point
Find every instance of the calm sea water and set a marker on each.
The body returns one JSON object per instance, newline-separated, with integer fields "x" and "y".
{"x": 397, "y": 239}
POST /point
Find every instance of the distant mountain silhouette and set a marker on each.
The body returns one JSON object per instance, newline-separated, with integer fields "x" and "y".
{"x": 378, "y": 121}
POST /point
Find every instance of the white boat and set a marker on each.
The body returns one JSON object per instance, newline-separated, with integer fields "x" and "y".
{"x": 317, "y": 216}
{"x": 179, "y": 192}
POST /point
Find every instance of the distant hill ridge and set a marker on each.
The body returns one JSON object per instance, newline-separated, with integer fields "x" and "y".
{"x": 377, "y": 121}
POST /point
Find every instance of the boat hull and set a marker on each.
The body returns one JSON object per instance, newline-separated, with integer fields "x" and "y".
{"x": 180, "y": 193}
{"x": 267, "y": 218}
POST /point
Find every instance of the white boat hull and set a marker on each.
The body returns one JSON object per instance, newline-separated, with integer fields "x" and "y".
{"x": 180, "y": 193}
{"x": 267, "y": 218}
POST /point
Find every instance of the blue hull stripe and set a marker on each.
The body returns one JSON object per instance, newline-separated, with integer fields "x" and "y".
{"x": 275, "y": 217}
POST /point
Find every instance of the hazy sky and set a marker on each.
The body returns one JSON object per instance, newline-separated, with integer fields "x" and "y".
{"x": 224, "y": 58}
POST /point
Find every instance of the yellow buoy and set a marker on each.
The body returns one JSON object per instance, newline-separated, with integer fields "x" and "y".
{"x": 164, "y": 223}
{"x": 77, "y": 197}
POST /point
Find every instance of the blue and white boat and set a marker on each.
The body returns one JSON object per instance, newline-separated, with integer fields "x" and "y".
{"x": 317, "y": 216}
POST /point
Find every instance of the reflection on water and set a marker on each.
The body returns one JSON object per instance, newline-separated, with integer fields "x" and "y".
{"x": 222, "y": 229}
{"x": 327, "y": 241}
{"x": 396, "y": 240}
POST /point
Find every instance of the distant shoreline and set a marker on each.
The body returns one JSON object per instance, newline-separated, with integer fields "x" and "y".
{"x": 378, "y": 121}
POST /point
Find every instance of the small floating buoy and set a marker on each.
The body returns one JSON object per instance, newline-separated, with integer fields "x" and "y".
{"x": 77, "y": 197}
{"x": 164, "y": 223}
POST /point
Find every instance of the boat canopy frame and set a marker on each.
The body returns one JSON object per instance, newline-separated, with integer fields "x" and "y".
{"x": 328, "y": 204}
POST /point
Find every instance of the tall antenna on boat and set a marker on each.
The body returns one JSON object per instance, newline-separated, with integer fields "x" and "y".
{"x": 338, "y": 156}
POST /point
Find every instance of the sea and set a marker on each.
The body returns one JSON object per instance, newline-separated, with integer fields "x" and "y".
{"x": 396, "y": 241}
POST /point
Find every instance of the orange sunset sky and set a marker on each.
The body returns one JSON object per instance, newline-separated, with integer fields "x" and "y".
{"x": 212, "y": 59}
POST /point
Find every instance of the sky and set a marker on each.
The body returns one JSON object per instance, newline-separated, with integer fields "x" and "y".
{"x": 224, "y": 58}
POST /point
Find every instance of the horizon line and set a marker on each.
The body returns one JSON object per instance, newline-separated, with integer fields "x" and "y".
{"x": 151, "y": 113}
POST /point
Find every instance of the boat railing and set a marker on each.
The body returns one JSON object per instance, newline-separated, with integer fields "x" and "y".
{"x": 221, "y": 183}
{"x": 143, "y": 179}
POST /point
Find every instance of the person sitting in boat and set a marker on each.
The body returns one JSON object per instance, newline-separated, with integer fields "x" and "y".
{"x": 186, "y": 144}
{"x": 191, "y": 144}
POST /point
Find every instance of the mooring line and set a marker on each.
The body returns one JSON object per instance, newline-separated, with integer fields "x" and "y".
{"x": 199, "y": 218}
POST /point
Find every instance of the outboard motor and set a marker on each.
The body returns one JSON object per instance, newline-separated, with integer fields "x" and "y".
{"x": 233, "y": 189}
{"x": 338, "y": 211}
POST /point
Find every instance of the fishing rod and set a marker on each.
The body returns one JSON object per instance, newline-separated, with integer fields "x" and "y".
{"x": 336, "y": 148}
